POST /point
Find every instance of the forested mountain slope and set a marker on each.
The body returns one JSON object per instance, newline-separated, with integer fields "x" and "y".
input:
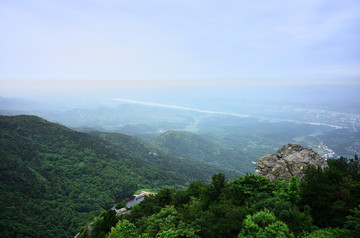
{"x": 165, "y": 159}
{"x": 52, "y": 178}
{"x": 195, "y": 147}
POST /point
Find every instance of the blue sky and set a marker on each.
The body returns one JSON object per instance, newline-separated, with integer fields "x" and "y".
{"x": 249, "y": 42}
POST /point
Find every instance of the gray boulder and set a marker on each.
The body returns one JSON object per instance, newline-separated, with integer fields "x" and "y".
{"x": 290, "y": 160}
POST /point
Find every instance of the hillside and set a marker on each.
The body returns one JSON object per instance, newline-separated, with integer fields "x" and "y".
{"x": 163, "y": 159}
{"x": 54, "y": 178}
{"x": 195, "y": 147}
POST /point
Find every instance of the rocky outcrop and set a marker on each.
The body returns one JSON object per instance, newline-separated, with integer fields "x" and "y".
{"x": 290, "y": 160}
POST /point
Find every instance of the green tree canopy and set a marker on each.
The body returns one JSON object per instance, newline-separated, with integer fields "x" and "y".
{"x": 123, "y": 229}
{"x": 264, "y": 224}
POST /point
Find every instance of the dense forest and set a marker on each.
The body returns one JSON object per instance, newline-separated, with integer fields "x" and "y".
{"x": 325, "y": 203}
{"x": 52, "y": 179}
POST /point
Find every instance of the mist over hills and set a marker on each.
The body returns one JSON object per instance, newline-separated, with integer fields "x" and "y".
{"x": 308, "y": 118}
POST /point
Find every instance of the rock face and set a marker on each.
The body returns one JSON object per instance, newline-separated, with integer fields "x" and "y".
{"x": 290, "y": 160}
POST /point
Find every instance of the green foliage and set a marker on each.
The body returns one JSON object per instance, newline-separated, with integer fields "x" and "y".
{"x": 164, "y": 197}
{"x": 123, "y": 229}
{"x": 331, "y": 193}
{"x": 212, "y": 192}
{"x": 296, "y": 220}
{"x": 193, "y": 147}
{"x": 122, "y": 203}
{"x": 159, "y": 158}
{"x": 264, "y": 224}
{"x": 288, "y": 191}
{"x": 281, "y": 189}
{"x": 102, "y": 225}
{"x": 168, "y": 223}
{"x": 212, "y": 208}
{"x": 218, "y": 182}
{"x": 329, "y": 232}
{"x": 249, "y": 206}
{"x": 353, "y": 222}
{"x": 293, "y": 191}
{"x": 243, "y": 188}
{"x": 221, "y": 219}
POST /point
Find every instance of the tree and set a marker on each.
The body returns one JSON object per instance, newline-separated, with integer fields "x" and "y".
{"x": 353, "y": 222}
{"x": 168, "y": 223}
{"x": 296, "y": 220}
{"x": 248, "y": 186}
{"x": 264, "y": 224}
{"x": 123, "y": 229}
{"x": 195, "y": 188}
{"x": 331, "y": 193}
{"x": 294, "y": 191}
{"x": 122, "y": 203}
{"x": 317, "y": 191}
{"x": 218, "y": 182}
{"x": 328, "y": 232}
{"x": 182, "y": 230}
{"x": 281, "y": 189}
{"x": 103, "y": 223}
{"x": 211, "y": 193}
{"x": 164, "y": 196}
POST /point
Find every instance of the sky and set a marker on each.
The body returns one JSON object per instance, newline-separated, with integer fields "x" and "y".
{"x": 245, "y": 42}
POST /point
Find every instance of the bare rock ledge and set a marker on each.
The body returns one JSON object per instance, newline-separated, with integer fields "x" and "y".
{"x": 290, "y": 160}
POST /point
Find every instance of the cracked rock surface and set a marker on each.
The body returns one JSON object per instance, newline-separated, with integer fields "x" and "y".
{"x": 290, "y": 160}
